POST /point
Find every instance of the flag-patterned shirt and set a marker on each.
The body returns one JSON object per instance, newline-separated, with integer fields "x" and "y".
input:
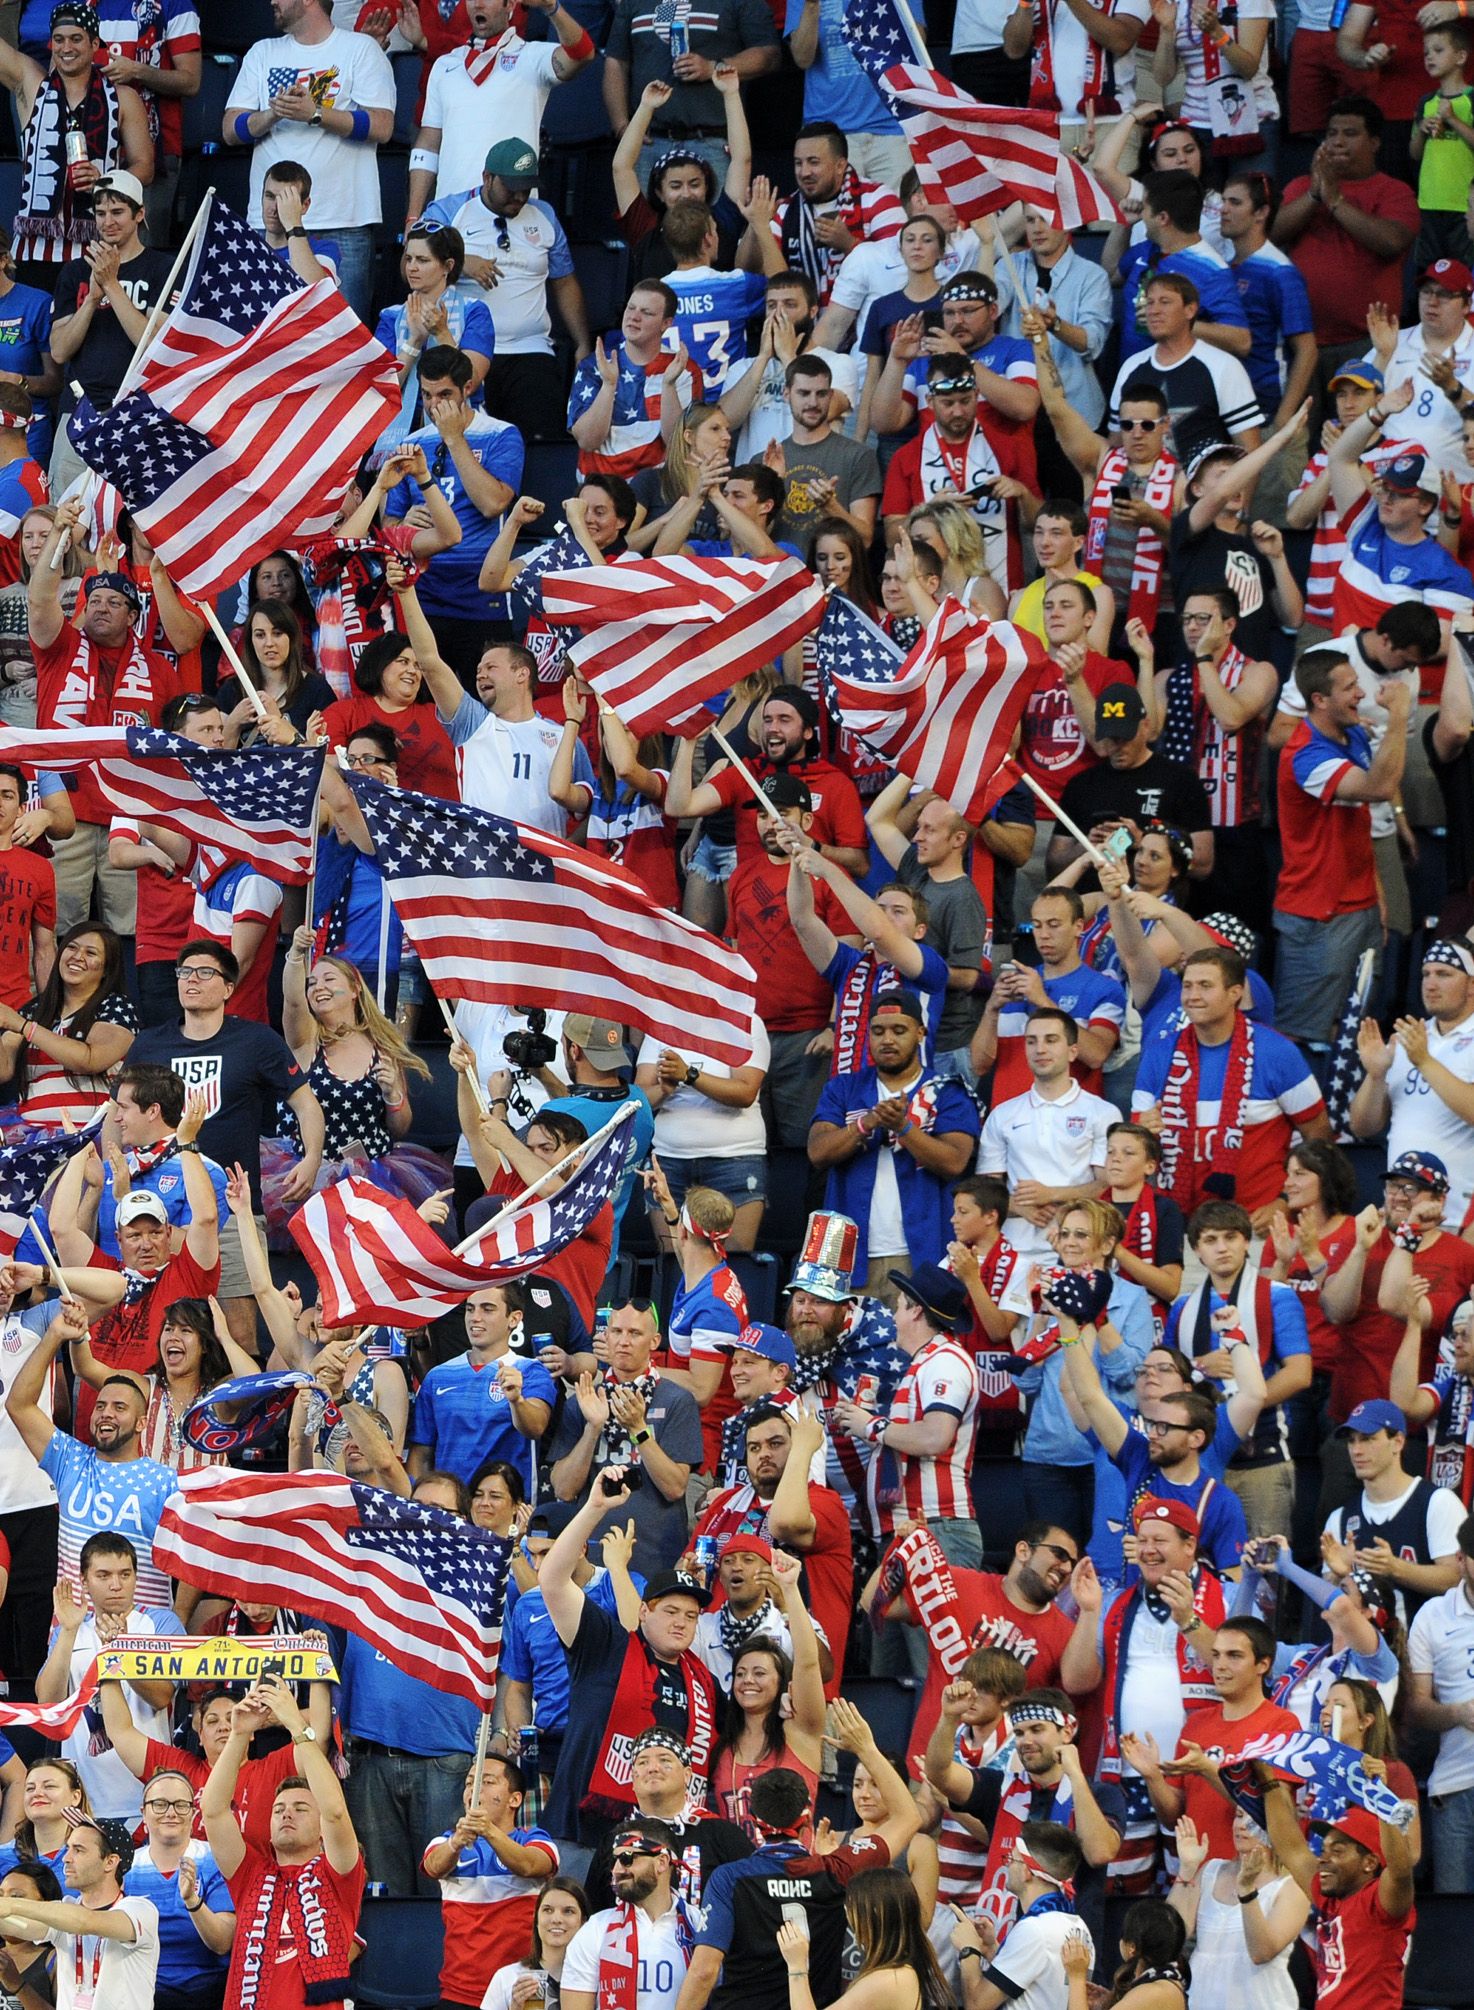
{"x": 633, "y": 440}
{"x": 943, "y": 1377}
{"x": 1328, "y": 550}
{"x": 1379, "y": 572}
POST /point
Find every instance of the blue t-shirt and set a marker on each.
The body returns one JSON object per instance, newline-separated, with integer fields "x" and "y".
{"x": 1277, "y": 307}
{"x": 120, "y": 1497}
{"x": 1004, "y": 355}
{"x": 463, "y": 1417}
{"x": 166, "y": 1179}
{"x": 185, "y": 1963}
{"x": 880, "y": 322}
{"x": 448, "y": 584}
{"x": 1218, "y": 293}
{"x": 532, "y": 1651}
{"x": 1110, "y": 1513}
{"x": 1416, "y": 570}
{"x": 1269, "y": 1442}
{"x": 10, "y": 1857}
{"x": 1224, "y": 1531}
{"x": 1162, "y": 1012}
{"x": 25, "y": 339}
{"x": 835, "y": 86}
{"x": 715, "y": 308}
{"x": 377, "y": 1700}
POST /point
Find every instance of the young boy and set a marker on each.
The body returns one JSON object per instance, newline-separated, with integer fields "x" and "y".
{"x": 1443, "y": 143}
{"x": 1150, "y": 1252}
{"x": 971, "y": 1731}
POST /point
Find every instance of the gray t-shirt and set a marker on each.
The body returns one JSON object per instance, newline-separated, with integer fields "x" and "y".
{"x": 957, "y": 929}
{"x": 661, "y": 1526}
{"x": 853, "y": 469}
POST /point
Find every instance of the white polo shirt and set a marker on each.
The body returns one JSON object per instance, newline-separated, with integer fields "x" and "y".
{"x": 1059, "y": 1142}
{"x": 472, "y": 116}
{"x": 1422, "y": 1121}
{"x": 529, "y": 249}
{"x": 1440, "y": 1643}
{"x": 1029, "y": 1968}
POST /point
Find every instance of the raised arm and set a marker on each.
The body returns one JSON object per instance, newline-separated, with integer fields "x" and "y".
{"x": 1084, "y": 1379}
{"x": 440, "y": 680}
{"x": 563, "y": 1598}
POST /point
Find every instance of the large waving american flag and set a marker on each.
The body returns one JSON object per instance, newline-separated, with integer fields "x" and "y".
{"x": 502, "y": 914}
{"x": 258, "y": 804}
{"x": 53, "y": 1720}
{"x": 425, "y": 1588}
{"x": 377, "y": 1262}
{"x": 948, "y": 715}
{"x": 665, "y": 634}
{"x": 256, "y": 401}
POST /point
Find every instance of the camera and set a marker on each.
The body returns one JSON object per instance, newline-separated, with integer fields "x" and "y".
{"x": 534, "y": 1048}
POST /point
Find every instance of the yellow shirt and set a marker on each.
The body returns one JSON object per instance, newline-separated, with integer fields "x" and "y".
{"x": 1030, "y": 610}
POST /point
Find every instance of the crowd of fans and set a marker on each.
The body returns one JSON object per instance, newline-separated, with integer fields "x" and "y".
{"x": 1116, "y": 1402}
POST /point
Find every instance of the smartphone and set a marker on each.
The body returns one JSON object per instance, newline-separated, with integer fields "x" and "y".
{"x": 274, "y": 1664}
{"x": 632, "y": 1480}
{"x": 1121, "y": 493}
{"x": 795, "y": 1915}
{"x": 1118, "y": 843}
{"x": 931, "y": 320}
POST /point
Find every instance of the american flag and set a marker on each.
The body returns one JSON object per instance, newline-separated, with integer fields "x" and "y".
{"x": 1346, "y": 1070}
{"x": 561, "y": 553}
{"x": 505, "y": 915}
{"x": 258, "y": 804}
{"x": 258, "y": 397}
{"x": 27, "y": 1168}
{"x": 978, "y": 157}
{"x": 423, "y": 1587}
{"x": 53, "y": 1720}
{"x": 666, "y": 634}
{"x": 376, "y": 1260}
{"x": 948, "y": 715}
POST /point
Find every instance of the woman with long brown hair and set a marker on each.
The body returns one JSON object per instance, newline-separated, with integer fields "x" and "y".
{"x": 898, "y": 1970}
{"x": 52, "y": 1788}
{"x": 58, "y": 1051}
{"x": 562, "y": 1908}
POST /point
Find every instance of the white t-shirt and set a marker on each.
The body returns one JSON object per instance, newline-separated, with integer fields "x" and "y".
{"x": 1422, "y": 1121}
{"x": 472, "y": 116}
{"x": 1151, "y": 1685}
{"x": 344, "y": 72}
{"x": 770, "y": 418}
{"x": 22, "y": 1482}
{"x": 1058, "y": 1143}
{"x": 1440, "y": 1643}
{"x": 1072, "y": 47}
{"x": 1028, "y": 1968}
{"x": 1190, "y": 54}
{"x": 1430, "y": 421}
{"x": 526, "y": 248}
{"x": 1369, "y": 714}
{"x": 1440, "y": 1526}
{"x": 886, "y": 1235}
{"x": 484, "y": 1027}
{"x": 126, "y": 1970}
{"x": 662, "y": 1958}
{"x": 875, "y": 267}
{"x": 689, "y": 1125}
{"x": 113, "y": 1790}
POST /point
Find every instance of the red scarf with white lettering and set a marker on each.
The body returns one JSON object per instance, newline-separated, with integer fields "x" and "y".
{"x": 1187, "y": 1178}
{"x": 633, "y": 1711}
{"x": 317, "y": 1929}
{"x": 1149, "y": 556}
{"x": 133, "y": 669}
{"x": 1100, "y": 66}
{"x": 1143, "y": 1230}
{"x": 1014, "y": 1805}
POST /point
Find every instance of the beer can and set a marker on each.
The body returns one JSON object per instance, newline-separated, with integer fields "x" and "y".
{"x": 76, "y": 146}
{"x": 867, "y": 1388}
{"x": 680, "y": 39}
{"x": 708, "y": 1553}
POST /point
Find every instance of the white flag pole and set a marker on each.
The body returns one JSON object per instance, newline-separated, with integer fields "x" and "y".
{"x": 160, "y": 310}
{"x": 578, "y": 1151}
{"x": 231, "y": 654}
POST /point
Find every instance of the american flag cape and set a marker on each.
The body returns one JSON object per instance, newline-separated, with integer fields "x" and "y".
{"x": 978, "y": 157}
{"x": 502, "y": 914}
{"x": 423, "y": 1587}
{"x": 258, "y": 804}
{"x": 948, "y": 715}
{"x": 257, "y": 399}
{"x": 1346, "y": 1070}
{"x": 53, "y": 1720}
{"x": 662, "y": 635}
{"x": 376, "y": 1261}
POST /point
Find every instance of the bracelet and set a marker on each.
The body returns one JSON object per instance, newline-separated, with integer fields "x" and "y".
{"x": 1453, "y": 522}
{"x": 295, "y": 231}
{"x": 196, "y": 1908}
{"x": 1378, "y": 419}
{"x": 243, "y": 129}
{"x": 642, "y": 1437}
{"x": 581, "y": 50}
{"x": 358, "y": 132}
{"x": 670, "y": 1220}
{"x": 1186, "y": 1880}
{"x": 964, "y": 1952}
{"x": 426, "y": 160}
{"x": 192, "y": 1146}
{"x": 397, "y": 1104}
{"x": 1222, "y": 39}
{"x": 28, "y": 1030}
{"x": 1249, "y": 1900}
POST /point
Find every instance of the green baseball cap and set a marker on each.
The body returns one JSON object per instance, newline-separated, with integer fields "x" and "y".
{"x": 513, "y": 161}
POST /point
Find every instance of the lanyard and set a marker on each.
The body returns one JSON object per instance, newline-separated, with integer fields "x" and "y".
{"x": 85, "y": 1998}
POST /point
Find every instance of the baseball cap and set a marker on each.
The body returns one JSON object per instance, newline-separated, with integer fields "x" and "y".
{"x": 135, "y": 1205}
{"x": 1358, "y": 1825}
{"x": 117, "y": 1839}
{"x": 676, "y": 1584}
{"x": 1178, "y": 1513}
{"x": 1375, "y": 1415}
{"x": 940, "y": 1295}
{"x": 743, "y": 1544}
{"x": 1367, "y": 375}
{"x": 1449, "y": 273}
{"x": 1458, "y": 955}
{"x": 601, "y": 1039}
{"x": 787, "y": 792}
{"x": 1425, "y": 1167}
{"x": 770, "y": 1342}
{"x": 118, "y": 181}
{"x": 897, "y": 1000}
{"x": 1410, "y": 475}
{"x": 115, "y": 582}
{"x": 513, "y": 161}
{"x": 1118, "y": 712}
{"x": 1212, "y": 450}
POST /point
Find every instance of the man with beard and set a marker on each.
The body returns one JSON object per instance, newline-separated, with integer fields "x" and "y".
{"x": 790, "y": 745}
{"x": 660, "y": 1773}
{"x": 782, "y": 1505}
{"x": 755, "y": 396}
{"x": 747, "y": 1611}
{"x": 652, "y": 1949}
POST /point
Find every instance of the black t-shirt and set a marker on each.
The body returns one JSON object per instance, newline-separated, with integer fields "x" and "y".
{"x": 982, "y": 1805}
{"x": 744, "y": 1910}
{"x": 245, "y": 1071}
{"x": 705, "y": 1841}
{"x": 107, "y": 349}
{"x": 1211, "y": 558}
{"x": 1159, "y": 790}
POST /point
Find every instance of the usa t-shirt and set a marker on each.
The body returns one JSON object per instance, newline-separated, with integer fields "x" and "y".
{"x": 1224, "y": 1532}
{"x": 1328, "y": 866}
{"x": 1218, "y": 293}
{"x": 715, "y": 308}
{"x": 449, "y": 586}
{"x": 1378, "y": 572}
{"x": 1282, "y": 1096}
{"x": 109, "y": 1496}
{"x": 463, "y": 1417}
{"x": 1277, "y": 308}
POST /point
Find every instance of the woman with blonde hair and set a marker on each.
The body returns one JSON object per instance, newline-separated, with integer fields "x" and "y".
{"x": 700, "y": 451}
{"x": 951, "y": 530}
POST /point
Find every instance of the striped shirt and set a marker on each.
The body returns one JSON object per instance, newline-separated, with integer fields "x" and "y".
{"x": 1379, "y": 572}
{"x": 1328, "y": 551}
{"x": 934, "y": 1488}
{"x": 633, "y": 440}
{"x": 54, "y": 1096}
{"x": 119, "y": 1496}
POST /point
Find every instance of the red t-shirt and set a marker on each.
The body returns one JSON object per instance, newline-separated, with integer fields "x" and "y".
{"x": 165, "y": 907}
{"x": 988, "y": 1618}
{"x": 1362, "y": 1368}
{"x": 127, "y": 1336}
{"x": 838, "y": 816}
{"x": 1221, "y": 1738}
{"x": 1053, "y": 748}
{"x": 581, "y": 1267}
{"x": 924, "y": 468}
{"x": 255, "y": 1789}
{"x": 1360, "y": 1954}
{"x": 1327, "y": 867}
{"x": 1341, "y": 276}
{"x": 286, "y": 1988}
{"x": 792, "y": 996}
{"x": 1326, "y": 1340}
{"x": 27, "y": 901}
{"x": 117, "y": 696}
{"x": 427, "y": 760}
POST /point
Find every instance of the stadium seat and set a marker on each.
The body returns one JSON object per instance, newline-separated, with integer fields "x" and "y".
{"x": 407, "y": 69}
{"x": 550, "y": 472}
{"x": 203, "y": 115}
{"x": 757, "y": 1272}
{"x": 235, "y": 27}
{"x": 400, "y": 1965}
{"x": 603, "y": 273}
{"x": 434, "y": 1102}
{"x": 887, "y": 1706}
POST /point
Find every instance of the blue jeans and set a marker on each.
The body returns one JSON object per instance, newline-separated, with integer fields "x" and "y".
{"x": 1315, "y": 962}
{"x": 356, "y": 275}
{"x": 399, "y": 1802}
{"x": 1453, "y": 1840}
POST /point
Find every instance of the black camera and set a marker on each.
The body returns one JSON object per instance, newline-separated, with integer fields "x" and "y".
{"x": 534, "y": 1048}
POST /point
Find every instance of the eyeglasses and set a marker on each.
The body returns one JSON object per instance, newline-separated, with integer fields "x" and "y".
{"x": 196, "y": 973}
{"x": 1064, "y": 1555}
{"x": 1158, "y": 1427}
{"x": 367, "y": 761}
{"x": 1140, "y": 425}
{"x": 167, "y": 1807}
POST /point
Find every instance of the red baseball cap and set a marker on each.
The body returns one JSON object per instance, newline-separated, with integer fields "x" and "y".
{"x": 1449, "y": 273}
{"x": 1359, "y": 1825}
{"x": 1178, "y": 1513}
{"x": 748, "y": 1545}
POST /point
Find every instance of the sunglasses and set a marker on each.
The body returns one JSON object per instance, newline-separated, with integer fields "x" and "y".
{"x": 625, "y": 1857}
{"x": 1062, "y": 1555}
{"x": 1140, "y": 425}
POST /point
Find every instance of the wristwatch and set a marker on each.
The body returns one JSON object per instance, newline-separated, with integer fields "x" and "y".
{"x": 693, "y": 1075}
{"x": 316, "y": 119}
{"x": 306, "y": 1736}
{"x": 298, "y": 232}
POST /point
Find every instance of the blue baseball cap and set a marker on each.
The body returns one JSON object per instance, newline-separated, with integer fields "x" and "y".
{"x": 1373, "y": 1416}
{"x": 1367, "y": 375}
{"x": 768, "y": 1341}
{"x": 1410, "y": 475}
{"x": 1426, "y": 1168}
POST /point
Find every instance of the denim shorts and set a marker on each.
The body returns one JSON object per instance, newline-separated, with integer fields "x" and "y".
{"x": 712, "y": 862}
{"x": 740, "y": 1179}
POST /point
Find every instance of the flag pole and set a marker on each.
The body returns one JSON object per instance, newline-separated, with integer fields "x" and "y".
{"x": 161, "y": 306}
{"x": 1059, "y": 816}
{"x": 764, "y": 803}
{"x": 576, "y": 1151}
{"x": 229, "y": 652}
{"x": 51, "y": 1257}
{"x": 447, "y": 1013}
{"x": 483, "y": 1739}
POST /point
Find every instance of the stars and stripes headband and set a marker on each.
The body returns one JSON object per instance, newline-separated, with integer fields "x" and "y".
{"x": 1445, "y": 950}
{"x": 717, "y": 1237}
{"x": 1027, "y": 1711}
{"x": 79, "y": 15}
{"x": 1032, "y": 1865}
{"x": 657, "y": 1734}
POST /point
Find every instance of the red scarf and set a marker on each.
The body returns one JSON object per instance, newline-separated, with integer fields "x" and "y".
{"x": 1149, "y": 556}
{"x": 917, "y": 1557}
{"x": 633, "y": 1712}
{"x": 481, "y": 56}
{"x": 619, "y": 1956}
{"x": 852, "y": 1017}
{"x": 318, "y": 1934}
{"x": 1100, "y": 66}
{"x": 1193, "y": 1673}
{"x": 1187, "y": 1179}
{"x": 1143, "y": 1228}
{"x": 1014, "y": 1805}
